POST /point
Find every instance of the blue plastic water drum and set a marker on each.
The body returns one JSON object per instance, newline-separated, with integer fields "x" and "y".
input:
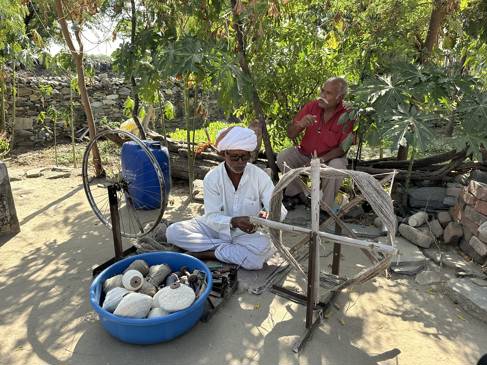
{"x": 150, "y": 330}
{"x": 138, "y": 172}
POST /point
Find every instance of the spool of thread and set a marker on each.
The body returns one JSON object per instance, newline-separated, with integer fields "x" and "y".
{"x": 158, "y": 273}
{"x": 139, "y": 265}
{"x": 132, "y": 280}
{"x": 113, "y": 282}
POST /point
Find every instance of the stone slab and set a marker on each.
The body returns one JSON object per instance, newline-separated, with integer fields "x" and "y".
{"x": 471, "y": 297}
{"x": 57, "y": 175}
{"x": 478, "y": 246}
{"x": 478, "y": 175}
{"x": 429, "y": 277}
{"x": 365, "y": 231}
{"x": 429, "y": 197}
{"x": 453, "y": 191}
{"x": 469, "y": 251}
{"x": 450, "y": 201}
{"x": 407, "y": 252}
{"x": 452, "y": 259}
{"x": 415, "y": 236}
{"x": 33, "y": 173}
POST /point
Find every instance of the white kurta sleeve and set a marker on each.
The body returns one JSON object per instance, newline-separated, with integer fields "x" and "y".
{"x": 266, "y": 194}
{"x": 213, "y": 201}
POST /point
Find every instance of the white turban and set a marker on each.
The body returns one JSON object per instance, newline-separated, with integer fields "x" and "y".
{"x": 236, "y": 138}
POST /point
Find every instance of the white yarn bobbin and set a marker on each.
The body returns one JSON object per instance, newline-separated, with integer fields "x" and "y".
{"x": 132, "y": 280}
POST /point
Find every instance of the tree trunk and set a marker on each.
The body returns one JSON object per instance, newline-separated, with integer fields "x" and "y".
{"x": 441, "y": 8}
{"x": 135, "y": 110}
{"x": 83, "y": 92}
{"x": 237, "y": 26}
{"x": 402, "y": 152}
{"x": 2, "y": 103}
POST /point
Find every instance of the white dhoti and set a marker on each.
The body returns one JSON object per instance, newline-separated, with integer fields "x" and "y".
{"x": 250, "y": 251}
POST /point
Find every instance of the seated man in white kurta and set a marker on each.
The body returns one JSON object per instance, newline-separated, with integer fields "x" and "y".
{"x": 233, "y": 191}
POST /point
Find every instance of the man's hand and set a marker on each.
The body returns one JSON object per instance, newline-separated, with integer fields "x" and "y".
{"x": 263, "y": 214}
{"x": 307, "y": 120}
{"x": 243, "y": 223}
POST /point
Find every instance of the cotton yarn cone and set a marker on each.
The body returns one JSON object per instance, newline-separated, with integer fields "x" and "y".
{"x": 132, "y": 280}
{"x": 176, "y": 297}
{"x": 139, "y": 265}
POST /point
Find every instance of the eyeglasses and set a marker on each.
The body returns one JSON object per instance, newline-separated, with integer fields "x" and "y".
{"x": 244, "y": 158}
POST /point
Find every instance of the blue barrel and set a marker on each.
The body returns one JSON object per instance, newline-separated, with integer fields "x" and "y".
{"x": 140, "y": 175}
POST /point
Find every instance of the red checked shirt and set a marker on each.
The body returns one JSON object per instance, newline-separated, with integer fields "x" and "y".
{"x": 320, "y": 136}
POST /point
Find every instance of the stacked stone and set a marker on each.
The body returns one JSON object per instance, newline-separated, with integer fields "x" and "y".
{"x": 471, "y": 212}
{"x": 107, "y": 93}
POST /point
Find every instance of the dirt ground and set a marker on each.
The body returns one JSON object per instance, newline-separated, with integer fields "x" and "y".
{"x": 46, "y": 318}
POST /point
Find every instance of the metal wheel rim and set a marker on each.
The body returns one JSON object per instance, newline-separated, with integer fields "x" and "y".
{"x": 155, "y": 165}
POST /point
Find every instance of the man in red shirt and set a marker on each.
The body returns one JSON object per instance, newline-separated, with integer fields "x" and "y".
{"x": 323, "y": 136}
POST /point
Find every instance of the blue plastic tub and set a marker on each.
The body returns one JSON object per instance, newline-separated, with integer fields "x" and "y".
{"x": 142, "y": 179}
{"x": 154, "y": 330}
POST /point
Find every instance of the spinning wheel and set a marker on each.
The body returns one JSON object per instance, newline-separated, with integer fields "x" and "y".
{"x": 126, "y": 187}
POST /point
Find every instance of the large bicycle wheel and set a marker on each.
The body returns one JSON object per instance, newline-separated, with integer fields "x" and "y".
{"x": 137, "y": 216}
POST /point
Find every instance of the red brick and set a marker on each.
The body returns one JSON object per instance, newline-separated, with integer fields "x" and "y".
{"x": 472, "y": 226}
{"x": 474, "y": 216}
{"x": 478, "y": 189}
{"x": 481, "y": 207}
{"x": 467, "y": 197}
{"x": 457, "y": 212}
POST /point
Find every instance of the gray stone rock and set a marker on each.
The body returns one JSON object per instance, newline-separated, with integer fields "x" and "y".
{"x": 480, "y": 282}
{"x": 418, "y": 219}
{"x": 365, "y": 231}
{"x": 452, "y": 233}
{"x": 467, "y": 249}
{"x": 9, "y": 224}
{"x": 435, "y": 228}
{"x": 453, "y": 191}
{"x": 483, "y": 232}
{"x": 112, "y": 97}
{"x": 479, "y": 175}
{"x": 450, "y": 201}
{"x": 356, "y": 212}
{"x": 415, "y": 236}
{"x": 452, "y": 259}
{"x": 407, "y": 252}
{"x": 97, "y": 104}
{"x": 33, "y": 173}
{"x": 471, "y": 297}
{"x": 444, "y": 218}
{"x": 429, "y": 277}
{"x": 427, "y": 197}
{"x": 478, "y": 246}
{"x": 57, "y": 175}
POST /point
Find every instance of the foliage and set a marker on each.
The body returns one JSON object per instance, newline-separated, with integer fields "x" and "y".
{"x": 200, "y": 135}
{"x": 405, "y": 105}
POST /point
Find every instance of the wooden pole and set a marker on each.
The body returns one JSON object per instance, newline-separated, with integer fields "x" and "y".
{"x": 315, "y": 223}
{"x": 329, "y": 236}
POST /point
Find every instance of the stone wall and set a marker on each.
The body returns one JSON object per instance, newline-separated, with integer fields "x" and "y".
{"x": 107, "y": 95}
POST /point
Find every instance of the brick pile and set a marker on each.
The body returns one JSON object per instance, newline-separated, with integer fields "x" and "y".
{"x": 471, "y": 212}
